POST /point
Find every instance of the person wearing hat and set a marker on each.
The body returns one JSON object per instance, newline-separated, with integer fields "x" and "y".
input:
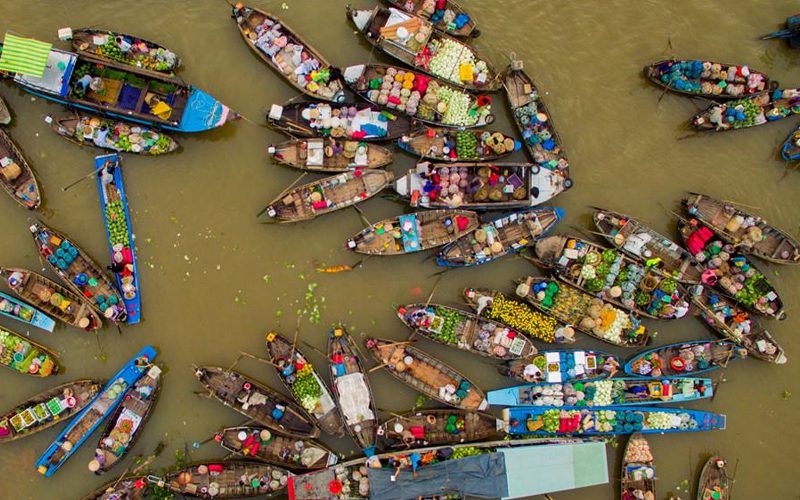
{"x": 100, "y": 138}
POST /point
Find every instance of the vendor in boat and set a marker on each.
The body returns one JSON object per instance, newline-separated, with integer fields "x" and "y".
{"x": 83, "y": 82}
{"x": 100, "y": 141}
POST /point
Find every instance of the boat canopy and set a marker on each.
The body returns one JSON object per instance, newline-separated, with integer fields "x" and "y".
{"x": 24, "y": 55}
{"x": 56, "y": 76}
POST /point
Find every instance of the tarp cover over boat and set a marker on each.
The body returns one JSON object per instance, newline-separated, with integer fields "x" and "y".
{"x": 24, "y": 55}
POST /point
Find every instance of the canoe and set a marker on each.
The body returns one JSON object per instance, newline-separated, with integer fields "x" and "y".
{"x": 607, "y": 421}
{"x": 127, "y": 422}
{"x": 733, "y": 323}
{"x": 256, "y": 401}
{"x": 535, "y": 123}
{"x": 790, "y": 151}
{"x": 791, "y": 32}
{"x": 414, "y": 232}
{"x": 586, "y": 313}
{"x": 446, "y": 145}
{"x": 452, "y": 19}
{"x": 83, "y": 129}
{"x": 119, "y": 233}
{"x": 304, "y": 382}
{"x": 683, "y": 358}
{"x": 258, "y": 443}
{"x": 223, "y": 479}
{"x": 749, "y": 233}
{"x": 714, "y": 483}
{"x": 612, "y": 276}
{"x": 90, "y": 418}
{"x": 329, "y": 155}
{"x": 54, "y": 299}
{"x": 354, "y": 120}
{"x": 428, "y": 99}
{"x": 124, "y": 488}
{"x": 731, "y": 272}
{"x": 16, "y": 175}
{"x": 19, "y": 353}
{"x": 327, "y": 195}
{"x": 439, "y": 427}
{"x": 413, "y": 41}
{"x": 644, "y": 244}
{"x": 46, "y": 409}
{"x": 352, "y": 390}
{"x": 638, "y": 479}
{"x": 466, "y": 331}
{"x": 142, "y": 54}
{"x": 25, "y": 313}
{"x": 749, "y": 111}
{"x": 5, "y": 115}
{"x": 562, "y": 365}
{"x": 79, "y": 272}
{"x": 292, "y": 57}
{"x": 427, "y": 375}
{"x": 697, "y": 77}
{"x": 477, "y": 185}
{"x": 609, "y": 392}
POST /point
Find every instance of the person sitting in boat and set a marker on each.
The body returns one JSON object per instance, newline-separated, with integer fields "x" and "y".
{"x": 83, "y": 82}
{"x": 124, "y": 43}
{"x": 100, "y": 141}
{"x": 611, "y": 366}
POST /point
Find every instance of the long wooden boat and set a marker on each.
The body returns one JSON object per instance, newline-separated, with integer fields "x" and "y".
{"x": 791, "y": 32}
{"x": 90, "y": 418}
{"x": 304, "y": 382}
{"x": 19, "y": 353}
{"x": 54, "y": 299}
{"x": 713, "y": 80}
{"x": 85, "y": 129}
{"x": 256, "y": 401}
{"x": 427, "y": 375}
{"x": 439, "y": 427}
{"x": 413, "y": 41}
{"x": 731, "y": 272}
{"x": 446, "y": 145}
{"x": 109, "y": 46}
{"x": 119, "y": 233}
{"x": 223, "y": 479}
{"x": 590, "y": 315}
{"x": 79, "y": 272}
{"x": 683, "y": 359}
{"x": 124, "y": 488}
{"x": 713, "y": 483}
{"x": 734, "y": 323}
{"x": 414, "y": 232}
{"x": 466, "y": 331}
{"x": 292, "y": 57}
{"x": 258, "y": 443}
{"x": 329, "y": 155}
{"x": 25, "y": 313}
{"x": 505, "y": 235}
{"x": 352, "y": 390}
{"x": 561, "y": 365}
{"x": 790, "y": 151}
{"x": 47, "y": 409}
{"x": 647, "y": 246}
{"x": 327, "y": 195}
{"x": 448, "y": 17}
{"x": 16, "y": 176}
{"x": 428, "y": 99}
{"x": 749, "y": 233}
{"x": 127, "y": 422}
{"x": 638, "y": 479}
{"x": 749, "y": 111}
{"x": 5, "y": 115}
{"x": 613, "y": 276}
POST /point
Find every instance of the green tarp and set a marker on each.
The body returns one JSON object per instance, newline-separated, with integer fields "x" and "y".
{"x": 25, "y": 56}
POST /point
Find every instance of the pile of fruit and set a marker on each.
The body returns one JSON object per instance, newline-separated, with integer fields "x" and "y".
{"x": 563, "y": 302}
{"x": 158, "y": 59}
{"x": 468, "y": 451}
{"x": 466, "y": 145}
{"x": 522, "y": 318}
{"x": 451, "y": 318}
{"x": 20, "y": 311}
{"x": 305, "y": 388}
{"x": 123, "y": 137}
{"x": 22, "y": 356}
{"x": 117, "y": 224}
{"x": 455, "y": 62}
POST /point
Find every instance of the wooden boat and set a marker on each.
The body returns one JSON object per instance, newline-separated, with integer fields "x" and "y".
{"x": 5, "y": 115}
{"x": 562, "y": 365}
{"x": 16, "y": 175}
{"x": 352, "y": 390}
{"x": 256, "y": 401}
{"x": 46, "y": 409}
{"x": 505, "y": 235}
{"x": 790, "y": 151}
{"x": 644, "y": 244}
{"x": 429, "y": 97}
{"x": 303, "y": 381}
{"x": 427, "y": 375}
{"x": 119, "y": 233}
{"x": 731, "y": 272}
{"x": 466, "y": 331}
{"x": 590, "y": 315}
{"x": 314, "y": 76}
{"x": 696, "y": 77}
{"x": 25, "y": 313}
{"x": 749, "y": 233}
{"x": 791, "y": 32}
{"x": 460, "y": 23}
{"x": 749, "y": 111}
{"x": 329, "y": 155}
{"x": 127, "y": 422}
{"x": 638, "y": 479}
{"x": 54, "y": 299}
{"x": 683, "y": 358}
{"x": 124, "y": 488}
{"x": 327, "y": 195}
{"x": 107, "y": 46}
{"x": 258, "y": 443}
{"x": 414, "y": 232}
{"x": 19, "y": 353}
{"x": 90, "y": 418}
{"x": 416, "y": 43}
{"x": 447, "y": 145}
{"x": 714, "y": 483}
{"x": 439, "y": 427}
{"x": 734, "y": 323}
{"x": 83, "y": 129}
{"x": 611, "y": 275}
{"x": 223, "y": 479}
{"x": 349, "y": 120}
{"x": 79, "y": 272}
{"x": 523, "y": 185}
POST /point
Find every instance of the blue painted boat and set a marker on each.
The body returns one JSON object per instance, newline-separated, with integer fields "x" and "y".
{"x": 791, "y": 146}
{"x": 608, "y": 420}
{"x": 90, "y": 418}
{"x": 683, "y": 359}
{"x": 25, "y": 313}
{"x": 791, "y": 33}
{"x": 119, "y": 232}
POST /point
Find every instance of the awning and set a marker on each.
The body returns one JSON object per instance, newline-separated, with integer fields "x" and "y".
{"x": 25, "y": 56}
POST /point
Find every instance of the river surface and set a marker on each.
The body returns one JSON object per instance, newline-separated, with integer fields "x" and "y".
{"x": 214, "y": 280}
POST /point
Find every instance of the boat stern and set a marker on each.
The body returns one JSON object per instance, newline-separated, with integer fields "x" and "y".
{"x": 353, "y": 73}
{"x": 484, "y": 405}
{"x": 203, "y": 112}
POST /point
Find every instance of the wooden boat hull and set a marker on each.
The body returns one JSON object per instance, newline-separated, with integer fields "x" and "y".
{"x": 445, "y": 145}
{"x": 296, "y": 454}
{"x": 638, "y": 473}
{"x": 312, "y": 155}
{"x": 67, "y": 127}
{"x": 682, "y": 359}
{"x": 698, "y": 79}
{"x": 465, "y": 30}
{"x": 439, "y": 427}
{"x": 765, "y": 108}
{"x": 124, "y": 487}
{"x": 559, "y": 365}
{"x": 25, "y": 356}
{"x": 83, "y": 42}
{"x": 5, "y": 115}
{"x": 19, "y": 182}
{"x": 25, "y": 313}
{"x": 221, "y": 479}
{"x": 714, "y": 483}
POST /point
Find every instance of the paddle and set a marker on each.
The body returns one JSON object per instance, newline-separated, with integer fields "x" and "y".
{"x": 262, "y": 360}
{"x": 284, "y": 192}
{"x": 94, "y": 173}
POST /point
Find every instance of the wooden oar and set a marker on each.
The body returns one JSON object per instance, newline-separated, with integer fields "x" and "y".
{"x": 284, "y": 192}
{"x": 91, "y": 175}
{"x": 262, "y": 360}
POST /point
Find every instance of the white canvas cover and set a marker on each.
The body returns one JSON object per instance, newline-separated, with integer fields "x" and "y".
{"x": 354, "y": 398}
{"x": 56, "y": 74}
